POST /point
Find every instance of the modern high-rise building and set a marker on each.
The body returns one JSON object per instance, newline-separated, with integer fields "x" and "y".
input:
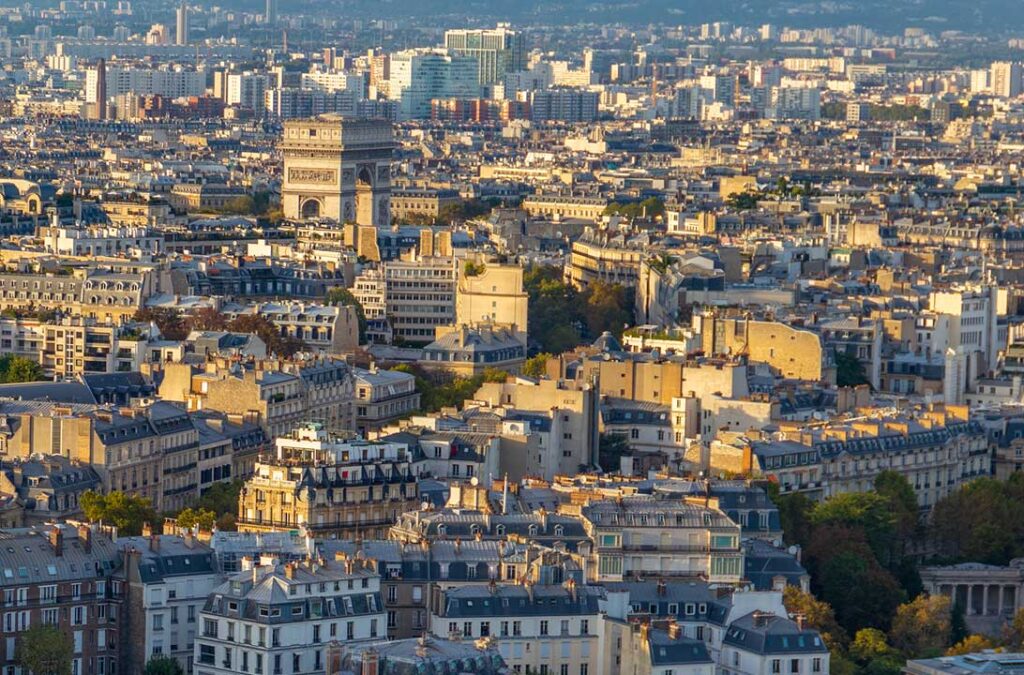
{"x": 497, "y": 50}
{"x": 270, "y": 12}
{"x": 101, "y": 89}
{"x": 787, "y": 103}
{"x": 247, "y": 91}
{"x": 419, "y": 76}
{"x": 1006, "y": 78}
{"x": 107, "y": 82}
{"x": 181, "y": 34}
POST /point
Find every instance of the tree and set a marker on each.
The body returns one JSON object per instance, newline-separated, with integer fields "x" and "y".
{"x": 845, "y": 573}
{"x": 610, "y": 450}
{"x": 606, "y": 307}
{"x": 849, "y": 370}
{"x": 983, "y": 521}
{"x": 553, "y": 311}
{"x": 921, "y": 627}
{"x": 344, "y": 298}
{"x": 45, "y": 650}
{"x": 265, "y": 329}
{"x": 874, "y": 655}
{"x": 906, "y": 528}
{"x": 969, "y": 645}
{"x": 201, "y": 518}
{"x": 818, "y": 614}
{"x": 957, "y": 623}
{"x": 743, "y": 201}
{"x": 867, "y": 511}
{"x": 162, "y": 665}
{"x": 15, "y": 369}
{"x": 794, "y": 515}
{"x": 242, "y": 206}
{"x": 125, "y": 512}
{"x": 494, "y": 375}
{"x": 473, "y": 269}
{"x": 207, "y": 318}
{"x": 170, "y": 323}
{"x": 536, "y": 366}
{"x": 1015, "y": 631}
{"x": 221, "y": 498}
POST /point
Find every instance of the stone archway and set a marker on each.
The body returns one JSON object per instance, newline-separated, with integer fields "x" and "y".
{"x": 311, "y": 208}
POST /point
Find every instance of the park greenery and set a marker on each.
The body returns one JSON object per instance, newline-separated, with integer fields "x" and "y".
{"x": 862, "y": 553}
{"x": 469, "y": 209}
{"x": 650, "y": 208}
{"x": 561, "y": 317}
{"x": 836, "y": 110}
{"x": 440, "y": 391}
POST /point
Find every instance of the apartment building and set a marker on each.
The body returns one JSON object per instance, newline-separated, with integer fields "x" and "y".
{"x": 166, "y": 581}
{"x": 279, "y": 395}
{"x": 492, "y": 296}
{"x": 936, "y": 450}
{"x": 283, "y": 617}
{"x": 61, "y": 576}
{"x": 553, "y": 629}
{"x": 575, "y": 408}
{"x": 333, "y": 486}
{"x": 106, "y": 296}
{"x": 645, "y": 536}
{"x": 329, "y": 329}
{"x": 75, "y": 345}
{"x": 418, "y": 295}
{"x": 383, "y": 396}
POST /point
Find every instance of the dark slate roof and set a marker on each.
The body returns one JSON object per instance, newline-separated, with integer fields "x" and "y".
{"x": 516, "y": 600}
{"x": 666, "y": 651}
{"x": 628, "y": 411}
{"x": 763, "y": 562}
{"x": 687, "y": 600}
{"x": 59, "y": 392}
{"x": 769, "y": 634}
{"x": 173, "y": 559}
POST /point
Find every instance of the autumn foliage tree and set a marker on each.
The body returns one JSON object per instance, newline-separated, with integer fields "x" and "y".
{"x": 921, "y": 627}
{"x": 818, "y": 614}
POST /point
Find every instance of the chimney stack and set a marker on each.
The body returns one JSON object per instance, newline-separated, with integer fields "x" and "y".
{"x": 674, "y": 631}
{"x": 662, "y": 587}
{"x": 800, "y": 619}
{"x": 371, "y": 662}
{"x": 85, "y": 536}
{"x": 57, "y": 540}
{"x": 154, "y": 543}
{"x": 289, "y": 570}
{"x": 147, "y": 530}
